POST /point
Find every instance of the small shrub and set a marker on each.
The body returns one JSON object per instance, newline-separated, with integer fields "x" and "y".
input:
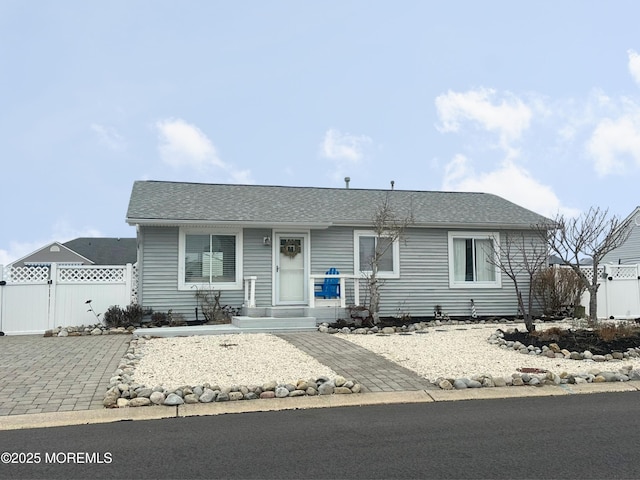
{"x": 209, "y": 304}
{"x": 610, "y": 331}
{"x": 114, "y": 317}
{"x": 176, "y": 319}
{"x": 551, "y": 334}
{"x": 133, "y": 314}
{"x": 159, "y": 319}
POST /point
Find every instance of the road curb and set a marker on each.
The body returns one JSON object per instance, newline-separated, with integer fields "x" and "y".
{"x": 87, "y": 417}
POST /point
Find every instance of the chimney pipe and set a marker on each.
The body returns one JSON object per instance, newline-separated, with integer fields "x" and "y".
{"x": 392, "y": 184}
{"x": 346, "y": 181}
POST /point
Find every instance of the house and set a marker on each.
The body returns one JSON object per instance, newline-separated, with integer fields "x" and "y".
{"x": 629, "y": 252}
{"x": 265, "y": 247}
{"x": 83, "y": 251}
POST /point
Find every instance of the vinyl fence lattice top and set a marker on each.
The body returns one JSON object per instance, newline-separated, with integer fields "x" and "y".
{"x": 91, "y": 274}
{"x": 26, "y": 274}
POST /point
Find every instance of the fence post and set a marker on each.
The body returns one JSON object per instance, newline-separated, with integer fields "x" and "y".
{"x": 128, "y": 283}
{"x": 53, "y": 280}
{"x": 356, "y": 291}
{"x": 1, "y": 297}
{"x": 606, "y": 272}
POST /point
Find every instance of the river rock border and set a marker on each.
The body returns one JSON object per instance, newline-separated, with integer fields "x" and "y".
{"x": 124, "y": 392}
{"x": 84, "y": 330}
{"x": 536, "y": 378}
{"x": 412, "y": 327}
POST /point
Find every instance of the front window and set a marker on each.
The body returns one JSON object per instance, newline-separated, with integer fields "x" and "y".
{"x": 366, "y": 245}
{"x": 210, "y": 259}
{"x": 471, "y": 260}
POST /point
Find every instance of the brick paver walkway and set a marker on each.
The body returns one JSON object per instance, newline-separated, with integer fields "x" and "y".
{"x": 374, "y": 372}
{"x": 39, "y": 374}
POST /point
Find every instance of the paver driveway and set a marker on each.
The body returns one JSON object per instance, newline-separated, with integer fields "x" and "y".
{"x": 39, "y": 374}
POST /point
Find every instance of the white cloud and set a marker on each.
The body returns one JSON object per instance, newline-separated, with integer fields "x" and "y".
{"x": 613, "y": 142}
{"x": 344, "y": 149}
{"x": 508, "y": 116}
{"x": 509, "y": 181}
{"x": 344, "y": 146}
{"x": 109, "y": 137}
{"x": 634, "y": 65}
{"x": 183, "y": 145}
{"x": 241, "y": 176}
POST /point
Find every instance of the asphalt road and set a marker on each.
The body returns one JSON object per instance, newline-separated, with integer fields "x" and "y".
{"x": 579, "y": 436}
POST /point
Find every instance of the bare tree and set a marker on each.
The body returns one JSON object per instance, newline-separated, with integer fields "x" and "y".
{"x": 388, "y": 228}
{"x": 592, "y": 234}
{"x": 520, "y": 258}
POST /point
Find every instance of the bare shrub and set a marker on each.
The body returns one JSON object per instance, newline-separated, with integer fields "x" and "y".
{"x": 209, "y": 304}
{"x": 610, "y": 331}
{"x": 557, "y": 290}
{"x": 176, "y": 319}
{"x": 159, "y": 318}
{"x": 551, "y": 334}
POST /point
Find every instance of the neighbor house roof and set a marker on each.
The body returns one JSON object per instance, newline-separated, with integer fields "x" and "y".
{"x": 177, "y": 203}
{"x": 106, "y": 251}
{"x": 84, "y": 251}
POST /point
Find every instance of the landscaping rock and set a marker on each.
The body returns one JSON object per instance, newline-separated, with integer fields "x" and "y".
{"x": 140, "y": 402}
{"x": 173, "y": 399}
{"x": 157, "y": 398}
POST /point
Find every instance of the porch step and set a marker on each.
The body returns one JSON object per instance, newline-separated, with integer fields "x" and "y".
{"x": 285, "y": 312}
{"x": 275, "y": 323}
{"x": 238, "y": 325}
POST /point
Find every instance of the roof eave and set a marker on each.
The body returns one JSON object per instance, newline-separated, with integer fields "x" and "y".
{"x": 225, "y": 223}
{"x": 318, "y": 225}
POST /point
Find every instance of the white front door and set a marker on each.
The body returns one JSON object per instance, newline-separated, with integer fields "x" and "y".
{"x": 291, "y": 262}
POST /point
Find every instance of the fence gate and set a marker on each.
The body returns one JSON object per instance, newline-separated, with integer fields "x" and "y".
{"x": 38, "y": 298}
{"x": 619, "y": 291}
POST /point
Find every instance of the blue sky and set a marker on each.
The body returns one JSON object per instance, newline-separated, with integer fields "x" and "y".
{"x": 538, "y": 102}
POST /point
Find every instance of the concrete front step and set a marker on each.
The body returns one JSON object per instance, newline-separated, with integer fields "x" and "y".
{"x": 285, "y": 312}
{"x": 238, "y": 325}
{"x": 307, "y": 323}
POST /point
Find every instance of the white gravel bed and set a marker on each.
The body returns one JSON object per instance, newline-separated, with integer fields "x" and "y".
{"x": 457, "y": 353}
{"x": 224, "y": 360}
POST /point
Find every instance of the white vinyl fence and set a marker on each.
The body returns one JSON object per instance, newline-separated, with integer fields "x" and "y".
{"x": 618, "y": 293}
{"x": 34, "y": 299}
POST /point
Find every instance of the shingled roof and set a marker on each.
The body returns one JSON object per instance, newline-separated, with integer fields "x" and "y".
{"x": 177, "y": 203}
{"x": 105, "y": 251}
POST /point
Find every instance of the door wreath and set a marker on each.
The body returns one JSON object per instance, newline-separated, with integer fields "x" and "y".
{"x": 290, "y": 247}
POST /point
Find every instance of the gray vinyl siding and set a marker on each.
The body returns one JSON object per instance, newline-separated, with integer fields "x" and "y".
{"x": 257, "y": 262}
{"x": 424, "y": 276}
{"x": 159, "y": 277}
{"x": 333, "y": 248}
{"x": 629, "y": 252}
{"x": 423, "y": 282}
{"x": 46, "y": 256}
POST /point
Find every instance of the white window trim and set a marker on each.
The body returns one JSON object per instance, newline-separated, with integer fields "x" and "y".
{"x": 182, "y": 285}
{"x": 495, "y": 237}
{"x": 367, "y": 271}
